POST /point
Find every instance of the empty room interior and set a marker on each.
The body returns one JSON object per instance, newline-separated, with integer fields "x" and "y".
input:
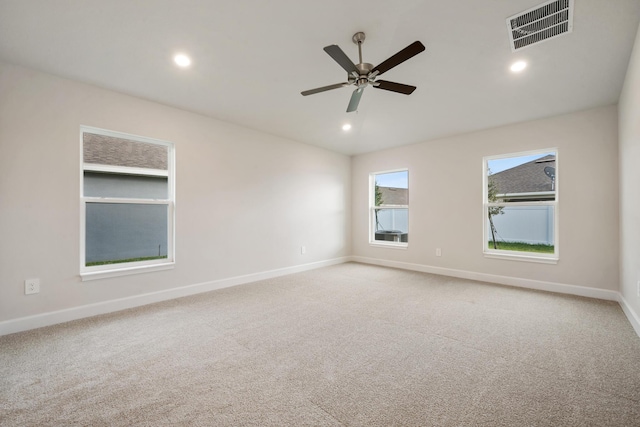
{"x": 330, "y": 213}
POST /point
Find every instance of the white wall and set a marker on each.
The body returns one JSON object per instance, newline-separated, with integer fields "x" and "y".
{"x": 445, "y": 199}
{"x": 629, "y": 114}
{"x": 246, "y": 201}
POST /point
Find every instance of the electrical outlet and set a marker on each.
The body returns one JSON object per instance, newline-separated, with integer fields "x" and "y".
{"x": 438, "y": 252}
{"x": 303, "y": 250}
{"x": 31, "y": 286}
{"x": 638, "y": 289}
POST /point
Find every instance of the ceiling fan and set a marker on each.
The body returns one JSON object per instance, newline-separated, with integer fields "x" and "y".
{"x": 364, "y": 74}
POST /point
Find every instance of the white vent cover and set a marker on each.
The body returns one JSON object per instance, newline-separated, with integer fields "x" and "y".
{"x": 549, "y": 20}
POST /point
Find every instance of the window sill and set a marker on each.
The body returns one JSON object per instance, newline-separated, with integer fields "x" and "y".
{"x": 116, "y": 272}
{"x": 391, "y": 245}
{"x": 519, "y": 257}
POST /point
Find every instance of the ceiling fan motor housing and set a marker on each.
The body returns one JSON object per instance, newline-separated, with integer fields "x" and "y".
{"x": 364, "y": 69}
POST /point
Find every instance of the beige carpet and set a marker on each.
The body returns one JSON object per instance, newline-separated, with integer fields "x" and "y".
{"x": 349, "y": 345}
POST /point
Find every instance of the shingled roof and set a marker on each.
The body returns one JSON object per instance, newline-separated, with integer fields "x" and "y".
{"x": 112, "y": 151}
{"x": 528, "y": 177}
{"x": 394, "y": 196}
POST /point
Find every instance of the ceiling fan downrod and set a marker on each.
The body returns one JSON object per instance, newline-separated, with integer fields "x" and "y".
{"x": 364, "y": 77}
{"x": 358, "y": 38}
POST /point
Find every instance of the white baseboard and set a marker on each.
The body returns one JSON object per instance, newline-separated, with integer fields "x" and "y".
{"x": 61, "y": 316}
{"x": 502, "y": 280}
{"x": 633, "y": 317}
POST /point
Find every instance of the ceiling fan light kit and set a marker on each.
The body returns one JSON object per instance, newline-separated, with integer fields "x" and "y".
{"x": 364, "y": 74}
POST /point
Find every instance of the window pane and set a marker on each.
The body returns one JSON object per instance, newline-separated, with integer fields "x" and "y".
{"x": 522, "y": 228}
{"x": 117, "y": 233}
{"x": 522, "y": 178}
{"x": 125, "y": 186}
{"x": 109, "y": 150}
{"x": 392, "y": 188}
{"x": 391, "y": 224}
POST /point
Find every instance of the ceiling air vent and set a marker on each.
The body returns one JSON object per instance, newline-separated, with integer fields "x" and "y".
{"x": 551, "y": 19}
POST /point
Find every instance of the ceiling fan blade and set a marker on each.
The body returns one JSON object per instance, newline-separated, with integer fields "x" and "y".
{"x": 407, "y": 53}
{"x": 341, "y": 58}
{"x": 355, "y": 99}
{"x": 324, "y": 88}
{"x": 394, "y": 87}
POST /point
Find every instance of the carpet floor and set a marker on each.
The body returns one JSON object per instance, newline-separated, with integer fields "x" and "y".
{"x": 348, "y": 345}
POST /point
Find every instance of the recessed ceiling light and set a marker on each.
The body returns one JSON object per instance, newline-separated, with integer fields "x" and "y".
{"x": 182, "y": 60}
{"x": 346, "y": 127}
{"x": 516, "y": 67}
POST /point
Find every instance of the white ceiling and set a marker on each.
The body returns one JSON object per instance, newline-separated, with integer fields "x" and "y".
{"x": 251, "y": 59}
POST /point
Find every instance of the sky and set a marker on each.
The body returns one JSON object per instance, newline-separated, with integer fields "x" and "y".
{"x": 498, "y": 165}
{"x": 393, "y": 179}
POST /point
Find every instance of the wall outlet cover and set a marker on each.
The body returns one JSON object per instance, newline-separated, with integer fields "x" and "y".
{"x": 31, "y": 286}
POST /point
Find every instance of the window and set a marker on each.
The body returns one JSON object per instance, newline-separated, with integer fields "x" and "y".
{"x": 520, "y": 206}
{"x": 389, "y": 213}
{"x": 127, "y": 198}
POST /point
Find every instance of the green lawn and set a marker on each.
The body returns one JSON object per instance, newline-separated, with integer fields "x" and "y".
{"x": 522, "y": 247}
{"x": 119, "y": 261}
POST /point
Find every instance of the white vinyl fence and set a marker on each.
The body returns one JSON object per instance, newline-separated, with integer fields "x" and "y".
{"x": 529, "y": 224}
{"x": 393, "y": 219}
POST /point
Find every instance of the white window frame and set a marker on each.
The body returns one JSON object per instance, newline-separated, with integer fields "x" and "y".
{"x": 519, "y": 255}
{"x": 373, "y": 208}
{"x": 122, "y": 269}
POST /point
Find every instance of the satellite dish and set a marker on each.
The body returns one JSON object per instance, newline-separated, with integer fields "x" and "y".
{"x": 551, "y": 172}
